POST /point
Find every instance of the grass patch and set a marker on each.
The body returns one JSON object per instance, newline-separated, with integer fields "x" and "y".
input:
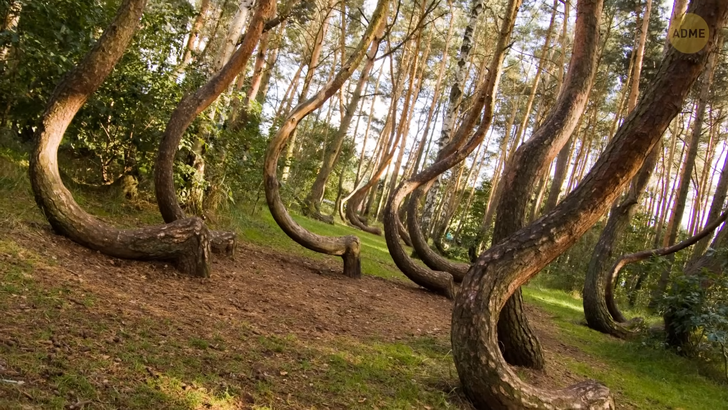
{"x": 646, "y": 377}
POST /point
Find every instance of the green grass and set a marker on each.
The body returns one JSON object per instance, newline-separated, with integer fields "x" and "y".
{"x": 148, "y": 364}
{"x": 647, "y": 377}
{"x": 262, "y": 230}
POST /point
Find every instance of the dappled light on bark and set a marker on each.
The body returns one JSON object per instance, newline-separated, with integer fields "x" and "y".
{"x": 185, "y": 242}
{"x": 461, "y": 145}
{"x": 348, "y": 247}
{"x": 188, "y": 109}
{"x": 499, "y": 271}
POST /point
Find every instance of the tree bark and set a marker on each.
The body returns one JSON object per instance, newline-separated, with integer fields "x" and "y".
{"x": 715, "y": 207}
{"x": 451, "y": 154}
{"x": 456, "y": 92}
{"x": 685, "y": 176}
{"x": 600, "y": 308}
{"x": 348, "y": 247}
{"x": 192, "y": 40}
{"x": 332, "y": 150}
{"x": 236, "y": 29}
{"x": 532, "y": 160}
{"x": 186, "y": 111}
{"x": 498, "y": 272}
{"x": 184, "y": 242}
{"x": 312, "y": 64}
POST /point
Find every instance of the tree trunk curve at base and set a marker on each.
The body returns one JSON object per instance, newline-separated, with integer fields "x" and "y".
{"x": 185, "y": 242}
{"x": 348, "y": 247}
{"x": 187, "y": 110}
{"x": 486, "y": 378}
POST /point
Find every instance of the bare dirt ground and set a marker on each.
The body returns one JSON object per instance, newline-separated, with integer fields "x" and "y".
{"x": 102, "y": 308}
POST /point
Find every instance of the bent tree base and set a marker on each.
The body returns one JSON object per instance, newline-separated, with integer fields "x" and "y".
{"x": 186, "y": 242}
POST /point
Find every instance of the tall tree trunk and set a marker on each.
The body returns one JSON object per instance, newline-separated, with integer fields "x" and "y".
{"x": 685, "y": 176}
{"x": 437, "y": 90}
{"x": 313, "y": 63}
{"x": 193, "y": 39}
{"x": 451, "y": 154}
{"x": 621, "y": 213}
{"x": 520, "y": 346}
{"x": 270, "y": 63}
{"x": 234, "y": 32}
{"x": 606, "y": 316}
{"x": 456, "y": 91}
{"x": 348, "y": 247}
{"x": 189, "y": 108}
{"x": 486, "y": 378}
{"x": 715, "y": 207}
{"x": 331, "y": 152}
{"x": 185, "y": 242}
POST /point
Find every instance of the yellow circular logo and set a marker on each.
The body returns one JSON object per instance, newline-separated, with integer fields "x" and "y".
{"x": 689, "y": 33}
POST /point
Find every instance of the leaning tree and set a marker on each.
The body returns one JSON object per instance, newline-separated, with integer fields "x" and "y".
{"x": 499, "y": 271}
{"x": 347, "y": 247}
{"x": 529, "y": 163}
{"x": 185, "y": 242}
{"x": 191, "y": 106}
{"x": 464, "y": 141}
{"x": 600, "y": 308}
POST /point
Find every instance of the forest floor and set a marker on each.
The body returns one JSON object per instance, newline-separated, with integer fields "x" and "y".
{"x": 277, "y": 327}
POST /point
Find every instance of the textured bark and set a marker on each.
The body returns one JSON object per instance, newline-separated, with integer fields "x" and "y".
{"x": 186, "y": 111}
{"x": 347, "y": 247}
{"x": 456, "y": 92}
{"x": 486, "y": 378}
{"x": 532, "y": 160}
{"x": 562, "y": 167}
{"x": 686, "y": 173}
{"x": 431, "y": 258}
{"x": 332, "y": 150}
{"x": 449, "y": 156}
{"x": 184, "y": 242}
{"x": 621, "y": 214}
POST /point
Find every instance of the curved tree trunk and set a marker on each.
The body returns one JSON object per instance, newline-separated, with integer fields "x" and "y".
{"x": 600, "y": 308}
{"x": 332, "y": 150}
{"x": 347, "y": 247}
{"x": 186, "y": 111}
{"x": 312, "y": 64}
{"x": 431, "y": 258}
{"x": 529, "y": 164}
{"x": 487, "y": 380}
{"x": 621, "y": 214}
{"x": 597, "y": 272}
{"x": 388, "y": 149}
{"x": 456, "y": 151}
{"x": 185, "y": 242}
{"x": 686, "y": 173}
{"x": 456, "y": 92}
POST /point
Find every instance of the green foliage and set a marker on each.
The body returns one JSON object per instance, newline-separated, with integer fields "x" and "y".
{"x": 698, "y": 304}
